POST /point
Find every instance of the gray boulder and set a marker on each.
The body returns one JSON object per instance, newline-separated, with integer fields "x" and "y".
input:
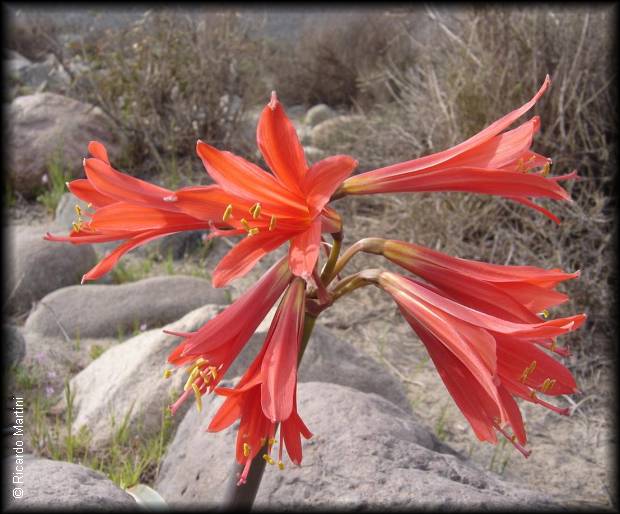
{"x": 127, "y": 380}
{"x": 313, "y": 154}
{"x": 57, "y": 485}
{"x": 14, "y": 345}
{"x": 95, "y": 310}
{"x": 48, "y": 73}
{"x": 318, "y": 114}
{"x": 366, "y": 453}
{"x": 47, "y": 128}
{"x": 36, "y": 267}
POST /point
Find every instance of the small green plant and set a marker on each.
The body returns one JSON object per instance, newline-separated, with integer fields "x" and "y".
{"x": 169, "y": 263}
{"x": 96, "y": 351}
{"x": 440, "y": 425}
{"x": 25, "y": 377}
{"x": 57, "y": 178}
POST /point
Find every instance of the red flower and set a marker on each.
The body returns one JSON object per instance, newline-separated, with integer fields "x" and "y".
{"x": 484, "y": 360}
{"x": 491, "y": 162}
{"x": 126, "y": 209}
{"x": 214, "y": 347}
{"x": 266, "y": 394}
{"x": 514, "y": 293}
{"x": 286, "y": 206}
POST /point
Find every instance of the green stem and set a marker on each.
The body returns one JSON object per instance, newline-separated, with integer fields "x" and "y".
{"x": 241, "y": 497}
{"x": 327, "y": 273}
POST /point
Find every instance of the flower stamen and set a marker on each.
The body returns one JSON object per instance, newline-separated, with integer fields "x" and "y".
{"x": 227, "y": 213}
{"x": 527, "y": 372}
{"x": 272, "y": 223}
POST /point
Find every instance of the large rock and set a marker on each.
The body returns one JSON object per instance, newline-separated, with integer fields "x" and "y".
{"x": 37, "y": 267}
{"x": 50, "y": 361}
{"x": 48, "y": 73}
{"x": 14, "y": 345}
{"x": 365, "y": 453}
{"x": 54, "y": 485}
{"x": 46, "y": 127}
{"x": 127, "y": 380}
{"x": 104, "y": 389}
{"x": 318, "y": 114}
{"x": 95, "y": 310}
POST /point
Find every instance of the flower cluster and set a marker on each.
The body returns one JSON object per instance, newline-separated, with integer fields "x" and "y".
{"x": 485, "y": 326}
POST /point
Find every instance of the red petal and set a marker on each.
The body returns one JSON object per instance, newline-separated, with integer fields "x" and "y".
{"x": 242, "y": 178}
{"x": 124, "y": 216}
{"x": 279, "y": 363}
{"x": 119, "y": 186}
{"x": 245, "y": 255}
{"x": 84, "y": 190}
{"x": 323, "y": 179}
{"x": 278, "y": 142}
{"x": 304, "y": 250}
{"x": 97, "y": 150}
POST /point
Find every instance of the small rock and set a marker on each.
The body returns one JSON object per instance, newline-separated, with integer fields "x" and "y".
{"x": 304, "y": 133}
{"x": 95, "y": 310}
{"x": 45, "y": 74}
{"x": 54, "y": 485}
{"x": 37, "y": 267}
{"x": 15, "y": 63}
{"x": 313, "y": 154}
{"x": 14, "y": 345}
{"x": 318, "y": 114}
{"x": 338, "y": 132}
{"x": 46, "y": 127}
{"x": 365, "y": 453}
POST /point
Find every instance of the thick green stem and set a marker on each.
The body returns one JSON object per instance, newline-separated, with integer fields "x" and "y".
{"x": 241, "y": 497}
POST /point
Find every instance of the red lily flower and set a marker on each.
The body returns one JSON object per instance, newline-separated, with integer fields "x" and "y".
{"x": 515, "y": 293}
{"x": 286, "y": 206}
{"x": 484, "y": 360}
{"x": 491, "y": 162}
{"x": 266, "y": 394}
{"x": 126, "y": 209}
{"x": 214, "y": 347}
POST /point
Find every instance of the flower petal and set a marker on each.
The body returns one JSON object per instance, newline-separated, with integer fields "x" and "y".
{"x": 122, "y": 187}
{"x": 125, "y": 216}
{"x": 279, "y": 363}
{"x": 304, "y": 250}
{"x": 97, "y": 150}
{"x": 324, "y": 177}
{"x": 242, "y": 258}
{"x": 84, "y": 190}
{"x": 242, "y": 178}
{"x": 279, "y": 144}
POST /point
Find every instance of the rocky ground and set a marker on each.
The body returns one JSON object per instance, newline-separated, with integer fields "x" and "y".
{"x": 386, "y": 431}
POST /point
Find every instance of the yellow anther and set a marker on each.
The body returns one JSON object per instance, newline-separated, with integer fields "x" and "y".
{"x": 546, "y": 169}
{"x": 528, "y": 371}
{"x": 167, "y": 373}
{"x": 272, "y": 223}
{"x": 76, "y": 226}
{"x": 205, "y": 376}
{"x": 520, "y": 165}
{"x": 191, "y": 378}
{"x": 253, "y": 231}
{"x": 245, "y": 224}
{"x": 227, "y": 213}
{"x": 268, "y": 458}
{"x": 280, "y": 465}
{"x": 198, "y": 397}
{"x": 78, "y": 211}
{"x": 547, "y": 384}
{"x": 201, "y": 360}
{"x": 533, "y": 395}
{"x": 246, "y": 450}
{"x": 255, "y": 210}
{"x": 545, "y": 313}
{"x": 554, "y": 345}
{"x": 271, "y": 441}
{"x": 213, "y": 371}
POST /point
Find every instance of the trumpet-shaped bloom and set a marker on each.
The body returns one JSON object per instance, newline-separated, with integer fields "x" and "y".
{"x": 514, "y": 293}
{"x": 490, "y": 162}
{"x": 270, "y": 208}
{"x": 211, "y": 350}
{"x": 124, "y": 209}
{"x": 288, "y": 205}
{"x": 266, "y": 394}
{"x": 484, "y": 360}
